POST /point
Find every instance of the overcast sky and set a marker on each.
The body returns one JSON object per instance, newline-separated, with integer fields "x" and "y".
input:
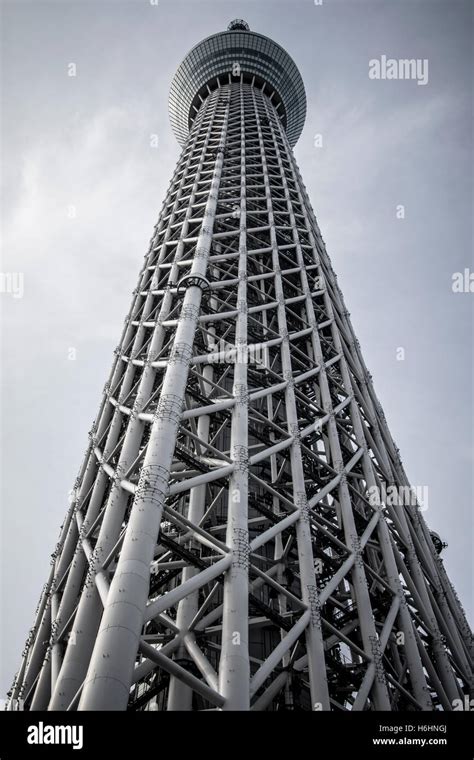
{"x": 80, "y": 147}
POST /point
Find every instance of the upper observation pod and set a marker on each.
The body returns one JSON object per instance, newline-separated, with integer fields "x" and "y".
{"x": 232, "y": 56}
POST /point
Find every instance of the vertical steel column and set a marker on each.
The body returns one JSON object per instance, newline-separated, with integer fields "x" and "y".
{"x": 368, "y": 630}
{"x": 110, "y": 671}
{"x": 180, "y": 697}
{"x": 234, "y": 667}
{"x": 90, "y": 607}
{"x": 309, "y": 591}
{"x": 180, "y": 694}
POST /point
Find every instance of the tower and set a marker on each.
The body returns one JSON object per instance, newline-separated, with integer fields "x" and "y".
{"x": 242, "y": 533}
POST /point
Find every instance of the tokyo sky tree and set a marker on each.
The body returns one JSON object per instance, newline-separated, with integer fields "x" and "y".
{"x": 242, "y": 534}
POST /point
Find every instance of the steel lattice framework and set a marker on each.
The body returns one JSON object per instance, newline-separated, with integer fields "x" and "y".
{"x": 221, "y": 550}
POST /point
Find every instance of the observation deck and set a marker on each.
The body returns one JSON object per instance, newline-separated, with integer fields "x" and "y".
{"x": 233, "y": 55}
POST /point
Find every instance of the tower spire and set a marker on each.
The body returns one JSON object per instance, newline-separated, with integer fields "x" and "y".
{"x": 238, "y": 24}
